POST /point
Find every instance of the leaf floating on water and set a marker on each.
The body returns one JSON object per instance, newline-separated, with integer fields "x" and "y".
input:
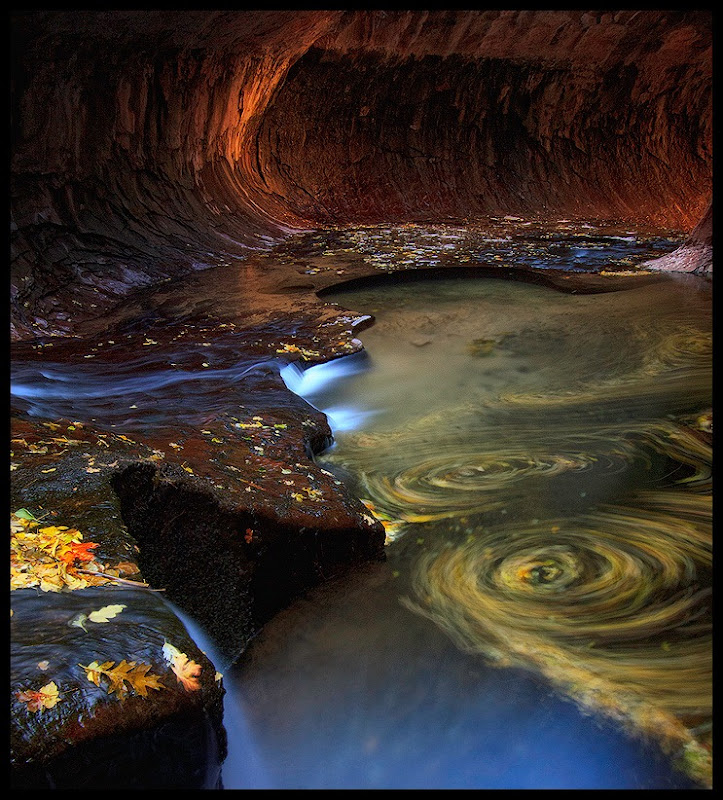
{"x": 122, "y": 678}
{"x": 43, "y": 665}
{"x": 79, "y": 621}
{"x": 106, "y": 613}
{"x": 95, "y": 671}
{"x": 37, "y": 701}
{"x": 185, "y": 670}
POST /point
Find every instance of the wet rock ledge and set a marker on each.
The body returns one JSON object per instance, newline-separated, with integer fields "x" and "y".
{"x": 223, "y": 514}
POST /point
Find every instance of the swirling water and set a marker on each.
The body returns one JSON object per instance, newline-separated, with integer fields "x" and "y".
{"x": 542, "y": 464}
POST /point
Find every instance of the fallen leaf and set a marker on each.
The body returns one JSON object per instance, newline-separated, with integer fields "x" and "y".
{"x": 106, "y": 613}
{"x": 46, "y": 697}
{"x": 185, "y": 670}
{"x": 136, "y": 676}
{"x": 78, "y": 551}
{"x": 79, "y": 621}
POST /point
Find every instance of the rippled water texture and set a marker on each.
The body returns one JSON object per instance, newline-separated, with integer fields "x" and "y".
{"x": 542, "y": 464}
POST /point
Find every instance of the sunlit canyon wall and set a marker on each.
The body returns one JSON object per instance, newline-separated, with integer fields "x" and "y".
{"x": 150, "y": 143}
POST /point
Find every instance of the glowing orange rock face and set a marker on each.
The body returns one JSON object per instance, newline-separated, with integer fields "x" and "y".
{"x": 186, "y": 138}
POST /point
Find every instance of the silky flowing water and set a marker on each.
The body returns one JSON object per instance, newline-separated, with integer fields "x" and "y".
{"x": 540, "y": 463}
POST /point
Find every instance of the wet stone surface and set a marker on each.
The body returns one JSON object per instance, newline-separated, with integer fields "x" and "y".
{"x": 165, "y": 434}
{"x": 56, "y": 640}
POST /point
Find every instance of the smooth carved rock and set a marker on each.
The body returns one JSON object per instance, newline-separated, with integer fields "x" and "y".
{"x": 148, "y": 144}
{"x": 93, "y": 738}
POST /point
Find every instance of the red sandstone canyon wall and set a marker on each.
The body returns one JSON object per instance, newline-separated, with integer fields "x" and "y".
{"x": 149, "y": 143}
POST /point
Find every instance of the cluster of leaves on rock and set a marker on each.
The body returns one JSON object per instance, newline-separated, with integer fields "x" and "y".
{"x": 53, "y": 558}
{"x": 121, "y": 678}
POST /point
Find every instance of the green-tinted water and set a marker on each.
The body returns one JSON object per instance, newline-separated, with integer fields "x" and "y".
{"x": 541, "y": 462}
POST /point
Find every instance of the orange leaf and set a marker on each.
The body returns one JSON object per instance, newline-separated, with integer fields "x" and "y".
{"x": 46, "y": 697}
{"x": 185, "y": 670}
{"x": 78, "y": 552}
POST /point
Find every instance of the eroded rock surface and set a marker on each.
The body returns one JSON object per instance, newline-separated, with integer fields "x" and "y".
{"x": 695, "y": 254}
{"x": 151, "y": 143}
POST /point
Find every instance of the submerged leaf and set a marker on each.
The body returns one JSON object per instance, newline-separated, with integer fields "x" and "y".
{"x": 185, "y": 670}
{"x": 79, "y": 621}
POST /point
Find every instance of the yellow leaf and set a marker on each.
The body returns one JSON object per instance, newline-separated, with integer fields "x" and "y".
{"x": 46, "y": 697}
{"x": 141, "y": 680}
{"x": 79, "y": 621}
{"x": 106, "y": 613}
{"x": 94, "y": 671}
{"x": 136, "y": 677}
{"x": 185, "y": 670}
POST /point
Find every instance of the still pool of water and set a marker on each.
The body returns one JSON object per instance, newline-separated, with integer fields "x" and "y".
{"x": 541, "y": 463}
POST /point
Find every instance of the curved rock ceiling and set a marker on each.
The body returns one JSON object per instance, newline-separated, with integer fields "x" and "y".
{"x": 149, "y": 143}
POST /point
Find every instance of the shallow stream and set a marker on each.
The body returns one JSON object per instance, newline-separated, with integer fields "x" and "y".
{"x": 541, "y": 462}
{"x": 541, "y": 466}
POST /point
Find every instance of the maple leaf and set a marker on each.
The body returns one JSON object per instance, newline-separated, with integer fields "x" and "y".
{"x": 185, "y": 670}
{"x": 46, "y": 697}
{"x": 78, "y": 552}
{"x": 118, "y": 676}
{"x": 141, "y": 680}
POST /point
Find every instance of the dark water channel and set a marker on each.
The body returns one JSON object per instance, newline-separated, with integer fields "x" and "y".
{"x": 542, "y": 618}
{"x": 541, "y": 462}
